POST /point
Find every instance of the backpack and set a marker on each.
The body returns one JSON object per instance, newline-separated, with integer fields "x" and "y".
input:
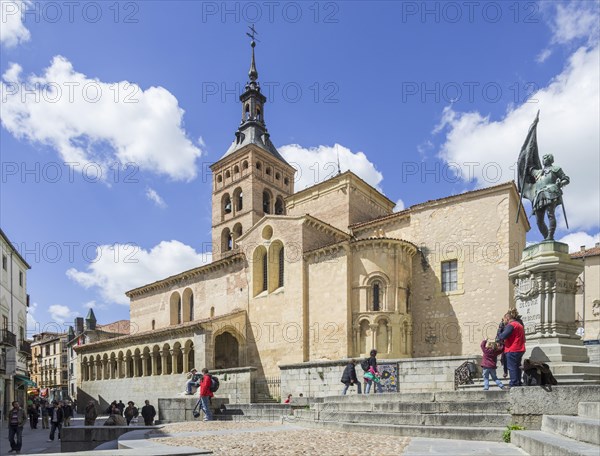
{"x": 364, "y": 364}
{"x": 214, "y": 384}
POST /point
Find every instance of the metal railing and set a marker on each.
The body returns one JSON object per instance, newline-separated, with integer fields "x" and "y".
{"x": 25, "y": 347}
{"x": 8, "y": 338}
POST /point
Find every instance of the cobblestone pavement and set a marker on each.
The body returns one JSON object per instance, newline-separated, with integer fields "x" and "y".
{"x": 265, "y": 438}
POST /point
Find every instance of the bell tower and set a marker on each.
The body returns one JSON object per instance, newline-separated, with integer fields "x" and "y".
{"x": 252, "y": 179}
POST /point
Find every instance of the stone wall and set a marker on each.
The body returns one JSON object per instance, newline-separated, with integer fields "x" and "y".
{"x": 235, "y": 384}
{"x": 323, "y": 378}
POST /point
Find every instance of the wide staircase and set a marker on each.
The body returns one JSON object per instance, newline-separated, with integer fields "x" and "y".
{"x": 465, "y": 415}
{"x": 563, "y": 435}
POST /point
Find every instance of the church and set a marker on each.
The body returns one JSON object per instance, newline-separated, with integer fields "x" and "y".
{"x": 324, "y": 273}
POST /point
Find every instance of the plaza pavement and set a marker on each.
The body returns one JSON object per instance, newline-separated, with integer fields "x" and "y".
{"x": 35, "y": 441}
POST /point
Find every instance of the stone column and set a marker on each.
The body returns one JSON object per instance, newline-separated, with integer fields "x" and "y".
{"x": 185, "y": 351}
{"x": 144, "y": 365}
{"x": 545, "y": 286}
{"x": 164, "y": 355}
{"x": 373, "y": 338}
{"x": 98, "y": 369}
{"x": 154, "y": 363}
{"x": 136, "y": 368}
{"x": 173, "y": 361}
{"x": 356, "y": 348}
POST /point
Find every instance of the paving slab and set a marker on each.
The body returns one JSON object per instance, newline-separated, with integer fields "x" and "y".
{"x": 420, "y": 446}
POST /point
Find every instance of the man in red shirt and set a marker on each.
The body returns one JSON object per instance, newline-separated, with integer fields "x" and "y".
{"x": 205, "y": 395}
{"x": 514, "y": 347}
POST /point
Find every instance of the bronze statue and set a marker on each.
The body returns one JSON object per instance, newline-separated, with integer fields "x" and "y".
{"x": 542, "y": 185}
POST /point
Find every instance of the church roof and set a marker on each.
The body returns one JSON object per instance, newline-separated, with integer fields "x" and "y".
{"x": 407, "y": 211}
{"x": 585, "y": 253}
{"x": 253, "y": 135}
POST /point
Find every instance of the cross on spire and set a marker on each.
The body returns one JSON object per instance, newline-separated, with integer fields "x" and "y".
{"x": 253, "y": 74}
{"x": 253, "y": 35}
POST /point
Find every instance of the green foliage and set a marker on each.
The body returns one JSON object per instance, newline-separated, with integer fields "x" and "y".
{"x": 509, "y": 429}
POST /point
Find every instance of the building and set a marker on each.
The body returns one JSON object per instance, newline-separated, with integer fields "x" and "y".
{"x": 15, "y": 350}
{"x": 49, "y": 367}
{"x": 587, "y": 299}
{"x": 325, "y": 273}
{"x": 89, "y": 332}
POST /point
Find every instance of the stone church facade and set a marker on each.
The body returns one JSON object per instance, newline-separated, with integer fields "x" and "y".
{"x": 325, "y": 273}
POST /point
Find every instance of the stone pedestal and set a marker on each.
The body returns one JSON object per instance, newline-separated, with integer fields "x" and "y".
{"x": 545, "y": 285}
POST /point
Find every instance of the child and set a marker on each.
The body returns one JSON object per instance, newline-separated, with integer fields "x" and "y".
{"x": 372, "y": 376}
{"x": 490, "y": 350}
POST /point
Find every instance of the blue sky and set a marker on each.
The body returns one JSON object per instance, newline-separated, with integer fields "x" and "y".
{"x": 140, "y": 98}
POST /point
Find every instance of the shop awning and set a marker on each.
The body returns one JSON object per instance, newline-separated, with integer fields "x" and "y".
{"x": 26, "y": 381}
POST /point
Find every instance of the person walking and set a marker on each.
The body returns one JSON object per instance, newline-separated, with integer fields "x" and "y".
{"x": 206, "y": 394}
{"x": 56, "y": 415}
{"x": 513, "y": 336}
{"x": 44, "y": 407}
{"x": 148, "y": 413}
{"x": 349, "y": 377}
{"x": 68, "y": 412}
{"x": 372, "y": 375}
{"x": 131, "y": 412}
{"x": 490, "y": 350}
{"x": 91, "y": 413}
{"x": 121, "y": 406}
{"x": 16, "y": 421}
{"x": 34, "y": 415}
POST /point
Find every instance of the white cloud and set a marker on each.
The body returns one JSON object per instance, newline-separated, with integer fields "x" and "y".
{"x": 121, "y": 267}
{"x": 568, "y": 128}
{"x": 399, "y": 206}
{"x": 573, "y": 20}
{"x": 155, "y": 198}
{"x": 60, "y": 313}
{"x": 12, "y": 30}
{"x": 543, "y": 55}
{"x": 576, "y": 240}
{"x": 87, "y": 120}
{"x": 32, "y": 323}
{"x": 317, "y": 164}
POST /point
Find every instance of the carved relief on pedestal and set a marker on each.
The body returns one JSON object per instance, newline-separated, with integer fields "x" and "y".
{"x": 596, "y": 308}
{"x": 526, "y": 286}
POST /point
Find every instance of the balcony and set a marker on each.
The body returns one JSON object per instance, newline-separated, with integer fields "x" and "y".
{"x": 25, "y": 347}
{"x": 7, "y": 338}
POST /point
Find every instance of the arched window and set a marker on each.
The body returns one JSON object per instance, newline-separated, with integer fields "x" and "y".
{"x": 192, "y": 307}
{"x": 226, "y": 204}
{"x": 188, "y": 305}
{"x": 247, "y": 112}
{"x": 245, "y": 164}
{"x": 237, "y": 231}
{"x": 258, "y": 166}
{"x": 279, "y": 206}
{"x": 219, "y": 178}
{"x": 238, "y": 199}
{"x": 266, "y": 202}
{"x": 281, "y": 265}
{"x": 226, "y": 240}
{"x": 286, "y": 181}
{"x": 236, "y": 169}
{"x": 376, "y": 296}
{"x": 265, "y": 272}
{"x": 257, "y": 113}
{"x": 175, "y": 309}
{"x": 260, "y": 270}
{"x": 268, "y": 170}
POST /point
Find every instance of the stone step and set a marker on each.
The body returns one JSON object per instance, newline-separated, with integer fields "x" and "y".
{"x": 440, "y": 396}
{"x": 488, "y": 434}
{"x": 574, "y": 427}
{"x": 495, "y": 407}
{"x": 410, "y": 419}
{"x": 589, "y": 410}
{"x": 543, "y": 443}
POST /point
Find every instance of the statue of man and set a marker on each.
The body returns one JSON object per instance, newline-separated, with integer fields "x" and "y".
{"x": 548, "y": 194}
{"x": 542, "y": 185}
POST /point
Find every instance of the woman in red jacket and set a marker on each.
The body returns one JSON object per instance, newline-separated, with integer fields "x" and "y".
{"x": 514, "y": 347}
{"x": 205, "y": 395}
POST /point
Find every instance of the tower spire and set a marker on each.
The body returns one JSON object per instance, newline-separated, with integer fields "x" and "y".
{"x": 253, "y": 74}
